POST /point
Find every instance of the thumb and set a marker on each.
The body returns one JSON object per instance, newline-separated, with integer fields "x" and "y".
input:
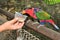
{"x": 14, "y": 20}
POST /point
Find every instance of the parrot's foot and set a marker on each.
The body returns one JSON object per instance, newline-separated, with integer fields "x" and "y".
{"x": 28, "y": 21}
{"x": 35, "y": 23}
{"x": 40, "y": 26}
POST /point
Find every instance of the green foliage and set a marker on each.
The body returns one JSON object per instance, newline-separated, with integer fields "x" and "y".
{"x": 51, "y": 2}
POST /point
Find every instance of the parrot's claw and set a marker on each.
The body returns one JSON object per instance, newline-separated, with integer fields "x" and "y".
{"x": 40, "y": 26}
{"x": 35, "y": 23}
{"x": 28, "y": 21}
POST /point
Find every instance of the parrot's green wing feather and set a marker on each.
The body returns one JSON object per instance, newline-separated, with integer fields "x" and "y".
{"x": 41, "y": 15}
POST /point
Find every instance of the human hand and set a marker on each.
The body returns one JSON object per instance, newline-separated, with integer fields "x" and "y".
{"x": 12, "y": 25}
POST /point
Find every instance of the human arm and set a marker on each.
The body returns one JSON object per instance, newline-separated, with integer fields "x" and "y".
{"x": 11, "y": 25}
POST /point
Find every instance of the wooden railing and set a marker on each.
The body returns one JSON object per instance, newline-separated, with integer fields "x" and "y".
{"x": 43, "y": 30}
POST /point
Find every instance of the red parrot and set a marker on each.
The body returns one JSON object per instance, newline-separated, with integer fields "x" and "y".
{"x": 41, "y": 15}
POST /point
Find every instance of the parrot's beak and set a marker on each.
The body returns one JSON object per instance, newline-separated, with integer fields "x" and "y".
{"x": 23, "y": 12}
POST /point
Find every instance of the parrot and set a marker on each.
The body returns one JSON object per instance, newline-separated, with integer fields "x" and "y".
{"x": 41, "y": 15}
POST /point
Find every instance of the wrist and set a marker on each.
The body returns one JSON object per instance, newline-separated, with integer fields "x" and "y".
{"x": 2, "y": 28}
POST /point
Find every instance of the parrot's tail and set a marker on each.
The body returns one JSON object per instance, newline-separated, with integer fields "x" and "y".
{"x": 56, "y": 26}
{"x": 53, "y": 23}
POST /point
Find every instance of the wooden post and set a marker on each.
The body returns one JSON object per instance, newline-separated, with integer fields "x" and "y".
{"x": 8, "y": 14}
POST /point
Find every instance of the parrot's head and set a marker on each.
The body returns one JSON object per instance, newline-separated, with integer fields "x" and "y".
{"x": 23, "y": 12}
